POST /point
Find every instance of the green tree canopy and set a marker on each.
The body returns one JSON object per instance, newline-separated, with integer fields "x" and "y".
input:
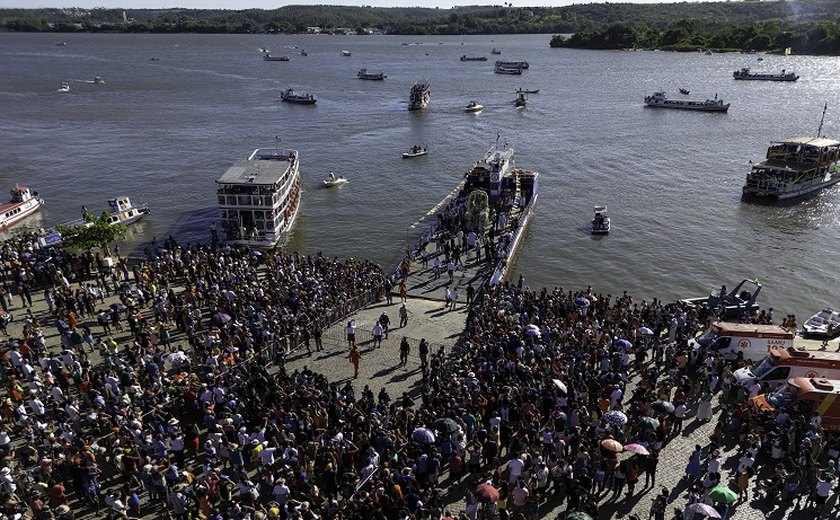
{"x": 96, "y": 232}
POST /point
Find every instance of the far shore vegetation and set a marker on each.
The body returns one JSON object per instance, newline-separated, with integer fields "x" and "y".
{"x": 806, "y": 26}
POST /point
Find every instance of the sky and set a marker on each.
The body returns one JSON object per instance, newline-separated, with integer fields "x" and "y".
{"x": 268, "y": 4}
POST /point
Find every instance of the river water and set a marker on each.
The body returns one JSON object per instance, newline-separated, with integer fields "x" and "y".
{"x": 166, "y": 129}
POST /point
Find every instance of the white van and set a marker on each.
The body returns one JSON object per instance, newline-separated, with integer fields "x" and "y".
{"x": 781, "y": 365}
{"x": 733, "y": 340}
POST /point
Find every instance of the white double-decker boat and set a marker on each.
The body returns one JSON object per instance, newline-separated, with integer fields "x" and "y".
{"x": 259, "y": 197}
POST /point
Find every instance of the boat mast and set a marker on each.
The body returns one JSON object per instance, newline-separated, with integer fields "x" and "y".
{"x": 822, "y": 119}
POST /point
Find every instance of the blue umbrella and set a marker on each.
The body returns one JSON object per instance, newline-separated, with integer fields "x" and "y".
{"x": 623, "y": 343}
{"x": 644, "y": 331}
{"x": 580, "y": 301}
{"x": 423, "y": 435}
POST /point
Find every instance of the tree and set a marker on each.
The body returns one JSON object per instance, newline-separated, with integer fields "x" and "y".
{"x": 95, "y": 232}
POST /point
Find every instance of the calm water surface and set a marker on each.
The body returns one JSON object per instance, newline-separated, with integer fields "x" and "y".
{"x": 167, "y": 129}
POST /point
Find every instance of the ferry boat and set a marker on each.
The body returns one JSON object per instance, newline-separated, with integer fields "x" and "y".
{"x": 420, "y": 96}
{"x": 745, "y": 74}
{"x": 22, "y": 204}
{"x": 795, "y": 168}
{"x": 660, "y": 100}
{"x": 508, "y": 70}
{"x": 473, "y": 58}
{"x": 259, "y": 197}
{"x": 601, "y": 221}
{"x": 269, "y": 57}
{"x": 290, "y": 96}
{"x": 473, "y": 107}
{"x": 497, "y": 176}
{"x": 373, "y": 76}
{"x": 513, "y": 64}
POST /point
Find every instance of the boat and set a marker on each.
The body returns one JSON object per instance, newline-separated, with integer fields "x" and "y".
{"x": 660, "y": 100}
{"x": 23, "y": 203}
{"x": 416, "y": 151}
{"x": 473, "y": 58}
{"x": 332, "y": 180}
{"x": 345, "y": 54}
{"x": 495, "y": 51}
{"x": 513, "y": 64}
{"x": 373, "y": 76}
{"x": 507, "y": 70}
{"x": 796, "y": 168}
{"x": 685, "y": 91}
{"x": 601, "y": 221}
{"x": 269, "y": 57}
{"x": 290, "y": 96}
{"x": 473, "y": 107}
{"x": 98, "y": 80}
{"x": 521, "y": 100}
{"x": 497, "y": 176}
{"x": 708, "y": 53}
{"x": 65, "y": 87}
{"x": 61, "y": 44}
{"x": 419, "y": 96}
{"x": 120, "y": 211}
{"x": 259, "y": 197}
{"x": 154, "y": 59}
{"x": 759, "y": 59}
{"x": 729, "y": 304}
{"x": 822, "y": 325}
{"x": 526, "y": 91}
{"x": 303, "y": 53}
{"x": 746, "y": 74}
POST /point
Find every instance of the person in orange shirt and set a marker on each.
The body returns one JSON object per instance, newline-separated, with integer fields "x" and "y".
{"x": 72, "y": 319}
{"x": 355, "y": 357}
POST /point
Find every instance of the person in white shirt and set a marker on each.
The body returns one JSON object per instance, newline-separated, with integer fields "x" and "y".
{"x": 377, "y": 332}
{"x": 515, "y": 466}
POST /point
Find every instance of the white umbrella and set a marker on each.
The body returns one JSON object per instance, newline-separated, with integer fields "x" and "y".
{"x": 560, "y": 385}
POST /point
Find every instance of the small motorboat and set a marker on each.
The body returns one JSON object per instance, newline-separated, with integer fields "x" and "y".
{"x": 345, "y": 54}
{"x": 98, "y": 80}
{"x": 332, "y": 180}
{"x": 601, "y": 222}
{"x": 303, "y": 53}
{"x": 822, "y": 325}
{"x": 473, "y": 107}
{"x": 154, "y": 59}
{"x": 685, "y": 91}
{"x": 521, "y": 100}
{"x": 65, "y": 87}
{"x": 495, "y": 51}
{"x": 526, "y": 91}
{"x": 759, "y": 59}
{"x": 416, "y": 151}
{"x": 61, "y": 44}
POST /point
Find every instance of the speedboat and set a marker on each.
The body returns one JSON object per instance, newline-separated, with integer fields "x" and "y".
{"x": 98, "y": 80}
{"x": 345, "y": 54}
{"x": 473, "y": 107}
{"x": 822, "y": 325}
{"x": 685, "y": 91}
{"x": 332, "y": 180}
{"x": 521, "y": 100}
{"x": 416, "y": 151}
{"x": 601, "y": 222}
{"x": 65, "y": 87}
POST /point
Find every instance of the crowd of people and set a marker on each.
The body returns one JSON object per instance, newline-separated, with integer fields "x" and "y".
{"x": 174, "y": 400}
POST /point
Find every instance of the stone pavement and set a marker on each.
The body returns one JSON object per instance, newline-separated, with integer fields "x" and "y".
{"x": 441, "y": 327}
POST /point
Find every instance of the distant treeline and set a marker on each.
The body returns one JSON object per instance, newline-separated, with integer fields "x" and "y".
{"x": 583, "y": 18}
{"x": 822, "y": 37}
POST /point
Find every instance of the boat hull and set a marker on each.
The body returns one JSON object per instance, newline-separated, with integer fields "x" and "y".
{"x": 788, "y": 197}
{"x": 411, "y": 155}
{"x": 27, "y": 208}
{"x": 753, "y": 78}
{"x": 723, "y": 108}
